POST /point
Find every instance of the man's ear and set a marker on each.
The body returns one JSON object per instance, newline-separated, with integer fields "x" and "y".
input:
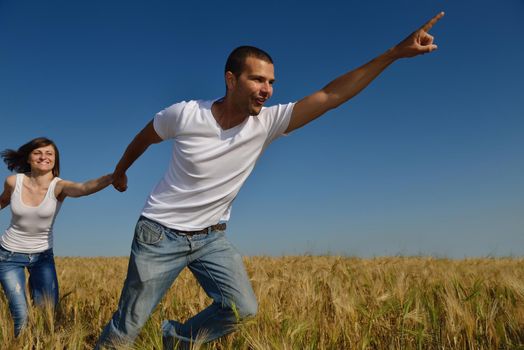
{"x": 231, "y": 80}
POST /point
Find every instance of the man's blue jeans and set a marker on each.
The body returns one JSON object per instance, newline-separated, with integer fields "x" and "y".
{"x": 43, "y": 284}
{"x": 158, "y": 255}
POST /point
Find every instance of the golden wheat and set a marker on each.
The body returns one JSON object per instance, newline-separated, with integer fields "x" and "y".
{"x": 307, "y": 303}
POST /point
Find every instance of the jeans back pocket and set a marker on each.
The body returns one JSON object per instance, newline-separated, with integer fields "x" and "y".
{"x": 148, "y": 232}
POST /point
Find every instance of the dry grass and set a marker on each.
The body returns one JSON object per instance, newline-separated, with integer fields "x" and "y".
{"x": 309, "y": 303}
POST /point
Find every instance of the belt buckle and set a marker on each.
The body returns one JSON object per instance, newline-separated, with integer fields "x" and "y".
{"x": 203, "y": 231}
{"x": 206, "y": 231}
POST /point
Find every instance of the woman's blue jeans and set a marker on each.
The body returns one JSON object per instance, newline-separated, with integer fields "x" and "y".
{"x": 158, "y": 255}
{"x": 43, "y": 283}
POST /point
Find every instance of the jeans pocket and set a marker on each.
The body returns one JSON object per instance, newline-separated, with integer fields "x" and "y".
{"x": 47, "y": 255}
{"x": 148, "y": 232}
{"x": 4, "y": 254}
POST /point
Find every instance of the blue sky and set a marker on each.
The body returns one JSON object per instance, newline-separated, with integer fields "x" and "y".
{"x": 427, "y": 161}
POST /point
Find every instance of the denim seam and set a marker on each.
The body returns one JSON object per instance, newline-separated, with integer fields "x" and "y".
{"x": 219, "y": 289}
{"x": 214, "y": 281}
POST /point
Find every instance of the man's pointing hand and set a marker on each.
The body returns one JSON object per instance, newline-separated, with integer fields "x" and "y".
{"x": 419, "y": 42}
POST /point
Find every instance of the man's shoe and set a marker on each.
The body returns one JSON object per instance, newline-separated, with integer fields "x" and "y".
{"x": 170, "y": 341}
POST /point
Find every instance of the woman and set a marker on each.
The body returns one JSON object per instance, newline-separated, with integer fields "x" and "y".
{"x": 35, "y": 194}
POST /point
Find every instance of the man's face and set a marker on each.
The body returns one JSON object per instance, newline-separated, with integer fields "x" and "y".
{"x": 254, "y": 86}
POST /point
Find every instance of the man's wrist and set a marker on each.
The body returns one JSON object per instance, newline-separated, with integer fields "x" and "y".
{"x": 118, "y": 172}
{"x": 391, "y": 55}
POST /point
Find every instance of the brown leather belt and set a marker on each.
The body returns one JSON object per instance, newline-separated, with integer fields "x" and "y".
{"x": 205, "y": 231}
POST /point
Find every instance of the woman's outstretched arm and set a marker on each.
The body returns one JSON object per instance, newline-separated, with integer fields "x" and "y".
{"x": 66, "y": 188}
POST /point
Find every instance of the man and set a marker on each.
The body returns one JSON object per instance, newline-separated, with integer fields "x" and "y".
{"x": 216, "y": 145}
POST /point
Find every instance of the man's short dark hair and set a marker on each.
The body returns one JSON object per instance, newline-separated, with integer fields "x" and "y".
{"x": 237, "y": 58}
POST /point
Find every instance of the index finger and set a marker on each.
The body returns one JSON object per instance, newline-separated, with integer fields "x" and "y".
{"x": 427, "y": 26}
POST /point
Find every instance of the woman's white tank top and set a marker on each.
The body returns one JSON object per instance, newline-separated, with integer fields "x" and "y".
{"x": 31, "y": 228}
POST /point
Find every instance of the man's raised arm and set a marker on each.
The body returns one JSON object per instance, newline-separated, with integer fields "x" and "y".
{"x": 146, "y": 137}
{"x": 350, "y": 84}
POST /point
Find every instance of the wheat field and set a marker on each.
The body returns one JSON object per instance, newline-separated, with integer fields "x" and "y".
{"x": 307, "y": 302}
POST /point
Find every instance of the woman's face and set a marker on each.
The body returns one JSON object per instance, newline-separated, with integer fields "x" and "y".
{"x": 42, "y": 159}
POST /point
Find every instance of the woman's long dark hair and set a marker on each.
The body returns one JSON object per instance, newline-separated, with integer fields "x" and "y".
{"x": 17, "y": 160}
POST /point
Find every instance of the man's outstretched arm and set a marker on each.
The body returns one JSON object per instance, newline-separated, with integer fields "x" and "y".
{"x": 350, "y": 84}
{"x": 140, "y": 143}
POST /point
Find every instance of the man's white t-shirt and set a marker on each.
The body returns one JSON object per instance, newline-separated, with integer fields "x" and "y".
{"x": 208, "y": 165}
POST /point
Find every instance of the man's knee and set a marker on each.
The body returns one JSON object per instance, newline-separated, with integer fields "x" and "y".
{"x": 245, "y": 308}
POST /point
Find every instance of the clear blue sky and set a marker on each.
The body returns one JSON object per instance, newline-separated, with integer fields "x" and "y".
{"x": 428, "y": 160}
